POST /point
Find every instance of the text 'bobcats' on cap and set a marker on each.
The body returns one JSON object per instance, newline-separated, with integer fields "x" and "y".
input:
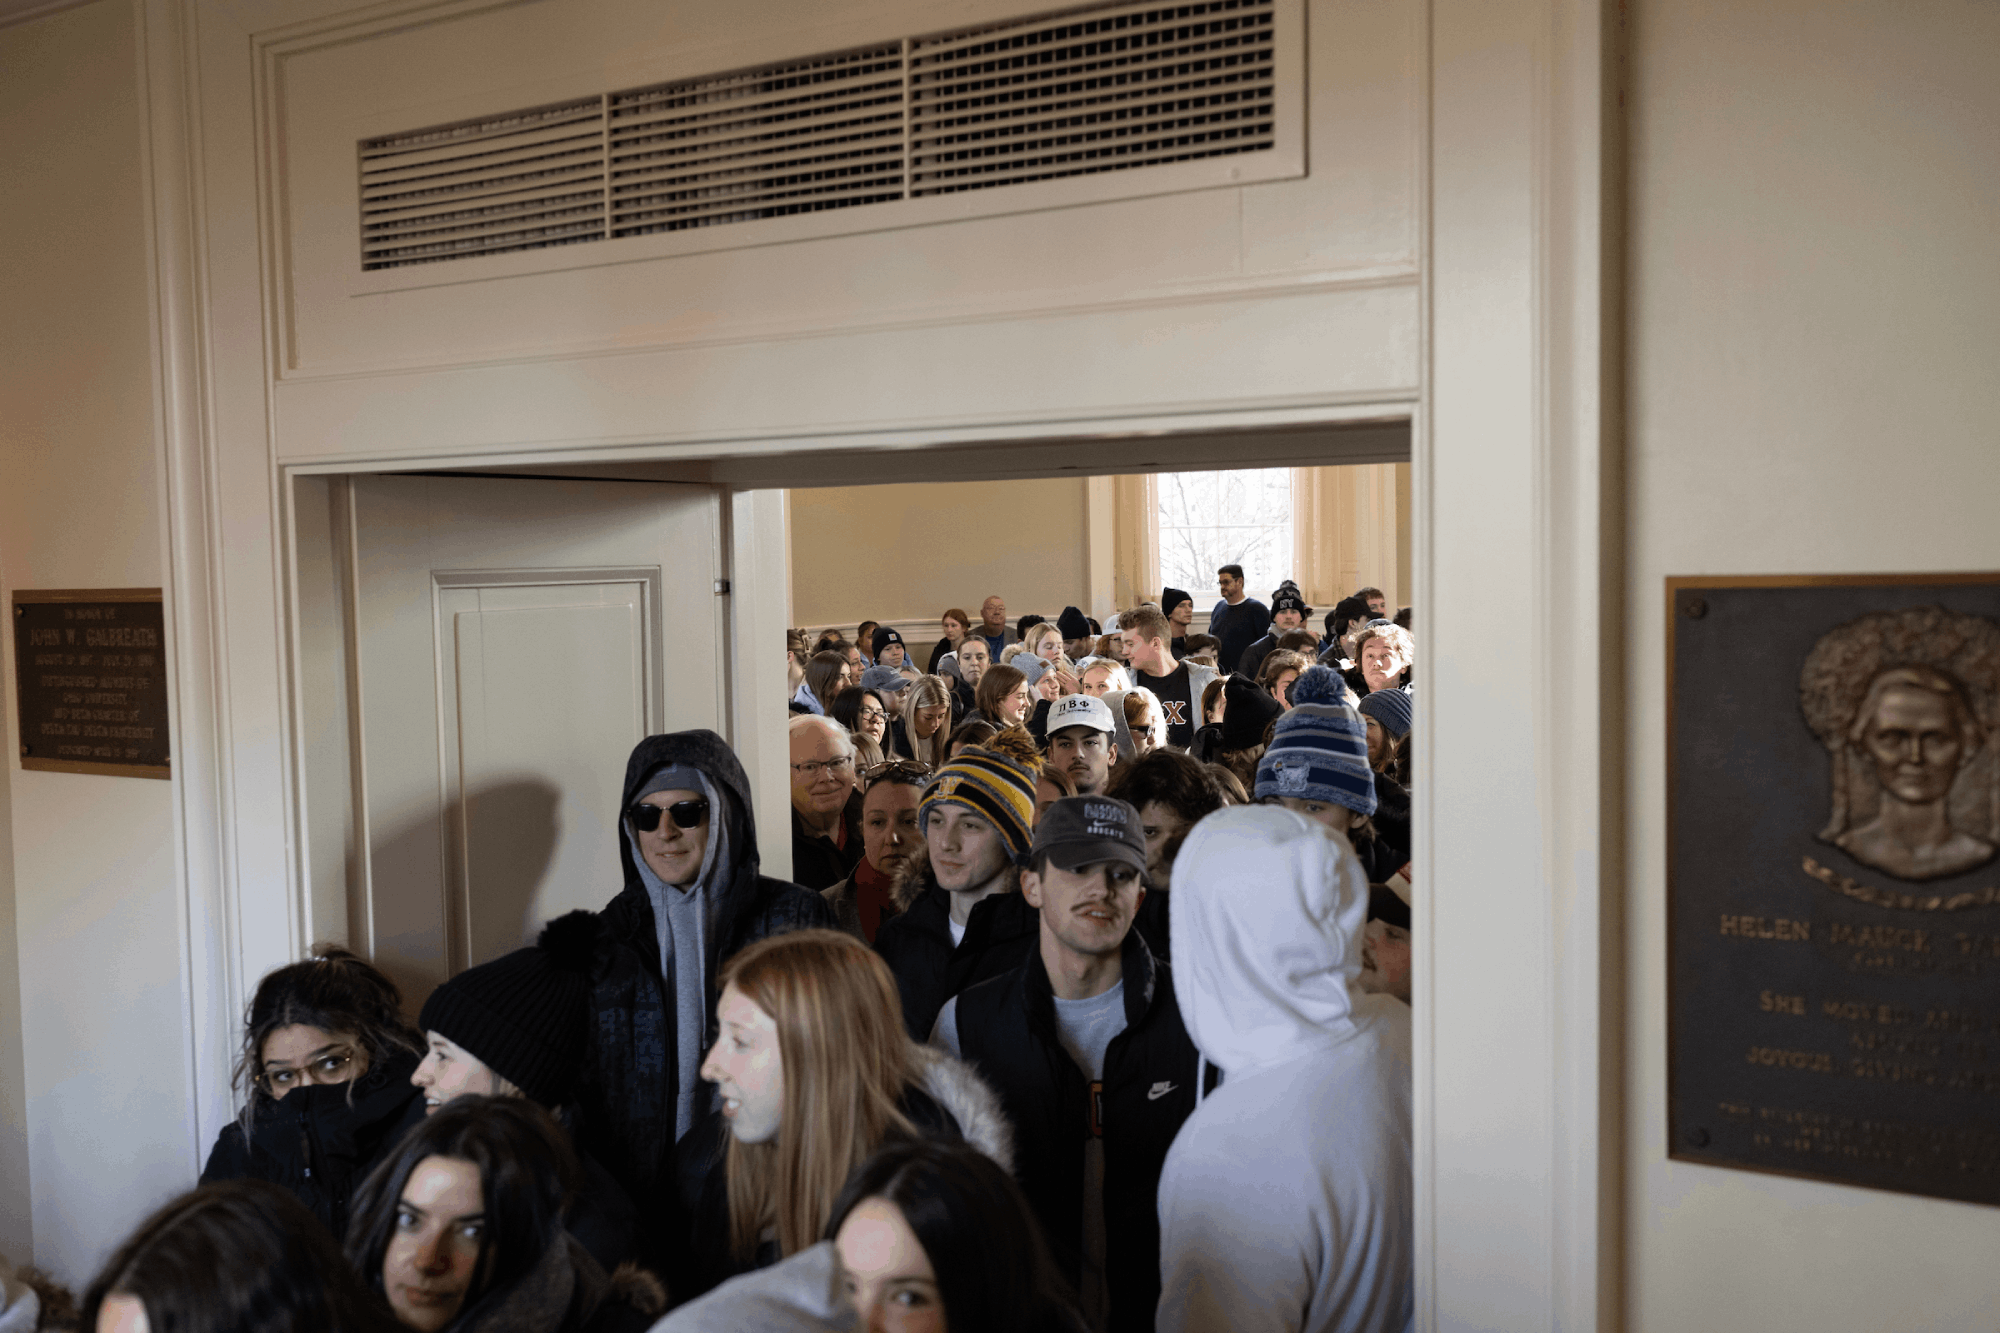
{"x": 1085, "y": 830}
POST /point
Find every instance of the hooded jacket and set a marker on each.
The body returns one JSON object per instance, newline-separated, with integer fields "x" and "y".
{"x": 567, "y": 1291}
{"x": 321, "y": 1141}
{"x": 916, "y": 943}
{"x": 1286, "y": 1202}
{"x": 630, "y": 1104}
{"x": 1007, "y": 1028}
{"x": 946, "y": 1100}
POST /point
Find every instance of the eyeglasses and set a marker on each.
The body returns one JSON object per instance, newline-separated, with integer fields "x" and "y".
{"x": 908, "y": 769}
{"x": 685, "y": 814}
{"x": 810, "y": 770}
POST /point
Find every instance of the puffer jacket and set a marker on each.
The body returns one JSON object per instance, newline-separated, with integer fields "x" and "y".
{"x": 320, "y": 1142}
{"x": 1007, "y": 1028}
{"x": 916, "y": 943}
{"x": 947, "y": 1101}
{"x": 625, "y": 1111}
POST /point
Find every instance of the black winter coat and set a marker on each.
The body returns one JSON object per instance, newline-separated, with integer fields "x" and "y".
{"x": 321, "y": 1141}
{"x": 816, "y": 863}
{"x": 701, "y": 1171}
{"x": 1388, "y": 850}
{"x": 1007, "y": 1029}
{"x": 626, "y": 1108}
{"x": 929, "y": 969}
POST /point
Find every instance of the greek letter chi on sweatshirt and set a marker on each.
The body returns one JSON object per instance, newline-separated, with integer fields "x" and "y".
{"x": 1286, "y": 1201}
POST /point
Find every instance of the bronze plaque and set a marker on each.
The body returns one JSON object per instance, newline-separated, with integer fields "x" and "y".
{"x": 1833, "y": 888}
{"x": 90, "y": 672}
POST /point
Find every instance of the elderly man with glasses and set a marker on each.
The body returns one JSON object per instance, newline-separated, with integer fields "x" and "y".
{"x": 826, "y": 803}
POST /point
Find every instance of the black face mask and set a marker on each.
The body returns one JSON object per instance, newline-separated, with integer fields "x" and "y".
{"x": 686, "y": 814}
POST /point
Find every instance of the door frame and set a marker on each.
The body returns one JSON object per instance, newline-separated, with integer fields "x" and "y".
{"x": 1516, "y": 517}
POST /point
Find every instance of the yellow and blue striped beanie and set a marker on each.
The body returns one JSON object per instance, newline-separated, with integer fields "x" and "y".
{"x": 993, "y": 786}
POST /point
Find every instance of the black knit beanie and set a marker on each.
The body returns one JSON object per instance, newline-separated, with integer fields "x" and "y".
{"x": 1247, "y": 712}
{"x": 525, "y": 1016}
{"x": 1171, "y": 598}
{"x": 1072, "y": 624}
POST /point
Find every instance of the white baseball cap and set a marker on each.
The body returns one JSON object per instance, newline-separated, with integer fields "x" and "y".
{"x": 1080, "y": 710}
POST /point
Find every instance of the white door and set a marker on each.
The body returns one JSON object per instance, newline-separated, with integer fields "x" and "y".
{"x": 514, "y": 639}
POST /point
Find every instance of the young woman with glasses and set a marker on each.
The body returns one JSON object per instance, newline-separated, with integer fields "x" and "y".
{"x": 863, "y": 713}
{"x": 324, "y": 1072}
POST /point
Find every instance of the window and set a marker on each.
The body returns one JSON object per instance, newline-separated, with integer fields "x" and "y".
{"x": 1211, "y": 519}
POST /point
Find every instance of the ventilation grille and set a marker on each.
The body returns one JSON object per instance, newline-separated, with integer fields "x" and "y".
{"x": 1032, "y": 100}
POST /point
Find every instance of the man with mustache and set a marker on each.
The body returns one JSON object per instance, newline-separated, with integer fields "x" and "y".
{"x": 1080, "y": 730}
{"x": 1084, "y": 1043}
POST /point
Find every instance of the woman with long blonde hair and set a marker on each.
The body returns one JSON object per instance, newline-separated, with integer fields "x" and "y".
{"x": 813, "y": 1072}
{"x": 923, "y": 731}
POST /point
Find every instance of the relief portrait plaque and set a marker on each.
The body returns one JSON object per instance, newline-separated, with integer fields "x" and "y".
{"x": 90, "y": 679}
{"x": 1833, "y": 889}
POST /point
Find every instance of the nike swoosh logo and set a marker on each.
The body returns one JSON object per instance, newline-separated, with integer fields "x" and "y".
{"x": 1158, "y": 1090}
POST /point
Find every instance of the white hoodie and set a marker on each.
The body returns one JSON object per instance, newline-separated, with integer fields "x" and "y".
{"x": 1286, "y": 1202}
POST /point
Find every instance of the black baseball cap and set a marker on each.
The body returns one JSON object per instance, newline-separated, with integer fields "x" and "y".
{"x": 1084, "y": 830}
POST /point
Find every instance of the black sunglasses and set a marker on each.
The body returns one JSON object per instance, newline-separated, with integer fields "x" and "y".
{"x": 687, "y": 814}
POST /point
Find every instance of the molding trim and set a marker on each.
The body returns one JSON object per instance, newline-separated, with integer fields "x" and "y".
{"x": 1515, "y": 495}
{"x": 14, "y": 16}
{"x": 198, "y": 680}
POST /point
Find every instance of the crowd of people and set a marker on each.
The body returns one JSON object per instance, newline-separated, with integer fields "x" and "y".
{"x": 1085, "y": 1008}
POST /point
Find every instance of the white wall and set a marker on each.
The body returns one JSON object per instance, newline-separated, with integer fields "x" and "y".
{"x": 1813, "y": 389}
{"x": 94, "y": 917}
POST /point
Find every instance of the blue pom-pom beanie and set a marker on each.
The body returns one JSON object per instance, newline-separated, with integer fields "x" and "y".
{"x": 1319, "y": 751}
{"x": 1394, "y": 709}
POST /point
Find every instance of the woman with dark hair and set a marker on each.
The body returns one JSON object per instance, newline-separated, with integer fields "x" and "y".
{"x": 462, "y": 1228}
{"x": 1004, "y": 697}
{"x": 864, "y": 713}
{"x": 325, "y": 1077}
{"x": 972, "y": 731}
{"x": 827, "y": 674}
{"x": 954, "y": 622}
{"x": 239, "y": 1255}
{"x": 936, "y": 1236}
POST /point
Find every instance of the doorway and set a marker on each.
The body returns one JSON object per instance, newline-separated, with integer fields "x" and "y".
{"x": 478, "y": 650}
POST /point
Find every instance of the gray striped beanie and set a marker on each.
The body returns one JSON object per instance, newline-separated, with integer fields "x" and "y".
{"x": 1319, "y": 750}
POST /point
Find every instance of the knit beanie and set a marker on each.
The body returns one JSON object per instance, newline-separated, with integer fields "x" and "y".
{"x": 992, "y": 785}
{"x": 526, "y": 1016}
{"x": 884, "y": 636}
{"x": 1171, "y": 598}
{"x": 1072, "y": 624}
{"x": 1393, "y": 709}
{"x": 1247, "y": 709}
{"x": 1288, "y": 598}
{"x": 1320, "y": 749}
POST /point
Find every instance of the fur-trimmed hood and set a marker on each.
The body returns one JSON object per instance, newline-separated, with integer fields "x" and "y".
{"x": 909, "y": 883}
{"x": 957, "y": 1087}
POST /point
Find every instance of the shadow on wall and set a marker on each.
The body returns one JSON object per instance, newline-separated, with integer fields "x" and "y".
{"x": 505, "y": 835}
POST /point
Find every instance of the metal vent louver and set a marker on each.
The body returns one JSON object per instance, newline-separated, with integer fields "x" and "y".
{"x": 1032, "y": 100}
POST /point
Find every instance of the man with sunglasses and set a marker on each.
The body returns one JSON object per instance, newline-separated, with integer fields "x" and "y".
{"x": 687, "y": 843}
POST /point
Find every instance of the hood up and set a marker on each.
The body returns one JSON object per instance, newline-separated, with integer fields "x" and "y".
{"x": 1266, "y": 915}
{"x": 709, "y": 753}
